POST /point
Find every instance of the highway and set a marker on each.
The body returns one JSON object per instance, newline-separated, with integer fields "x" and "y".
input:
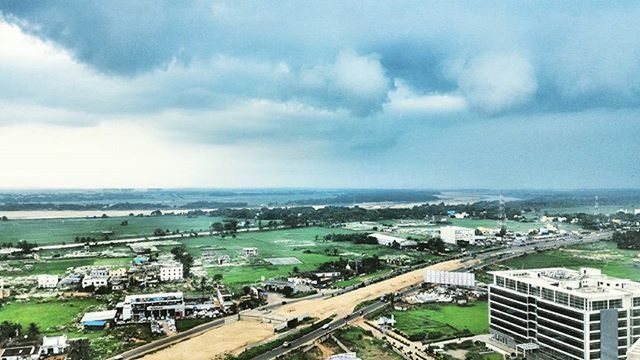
{"x": 474, "y": 262}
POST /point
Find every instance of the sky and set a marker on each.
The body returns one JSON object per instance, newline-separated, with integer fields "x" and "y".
{"x": 382, "y": 94}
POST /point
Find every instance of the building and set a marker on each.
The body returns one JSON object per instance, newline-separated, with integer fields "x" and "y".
{"x": 454, "y": 234}
{"x": 250, "y": 251}
{"x": 20, "y": 353}
{"x": 344, "y": 356}
{"x": 97, "y": 319}
{"x": 145, "y": 307}
{"x": 47, "y": 281}
{"x": 171, "y": 271}
{"x": 118, "y": 273}
{"x": 557, "y": 313}
{"x": 54, "y": 345}
{"x": 95, "y": 281}
{"x": 634, "y": 351}
{"x": 99, "y": 272}
{"x": 225, "y": 298}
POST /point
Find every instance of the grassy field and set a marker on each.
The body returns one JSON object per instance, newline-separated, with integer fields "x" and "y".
{"x": 366, "y": 346}
{"x": 57, "y": 267}
{"x": 57, "y": 231}
{"x": 50, "y": 316}
{"x": 300, "y": 243}
{"x": 442, "y": 320}
{"x": 602, "y": 255}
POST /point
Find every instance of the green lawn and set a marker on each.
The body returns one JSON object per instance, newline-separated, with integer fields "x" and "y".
{"x": 57, "y": 231}
{"x": 444, "y": 320}
{"x": 281, "y": 243}
{"x": 58, "y": 267}
{"x": 51, "y": 316}
{"x": 602, "y": 255}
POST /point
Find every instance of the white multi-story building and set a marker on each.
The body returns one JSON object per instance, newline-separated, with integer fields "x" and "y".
{"x": 118, "y": 272}
{"x": 557, "y": 313}
{"x": 171, "y": 271}
{"x": 151, "y": 306}
{"x": 95, "y": 281}
{"x": 250, "y": 251}
{"x": 47, "y": 281}
{"x": 453, "y": 234}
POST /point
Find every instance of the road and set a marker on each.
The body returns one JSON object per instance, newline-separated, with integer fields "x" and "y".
{"x": 485, "y": 259}
{"x": 468, "y": 263}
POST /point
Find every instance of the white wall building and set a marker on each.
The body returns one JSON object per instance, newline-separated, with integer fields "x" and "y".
{"x": 118, "y": 272}
{"x": 564, "y": 314}
{"x": 95, "y": 281}
{"x": 453, "y": 234}
{"x": 250, "y": 251}
{"x": 47, "y": 281}
{"x": 54, "y": 345}
{"x": 171, "y": 272}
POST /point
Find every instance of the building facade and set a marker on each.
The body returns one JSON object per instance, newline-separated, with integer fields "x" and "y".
{"x": 143, "y": 308}
{"x": 557, "y": 313}
{"x": 47, "y": 281}
{"x": 171, "y": 272}
{"x": 453, "y": 234}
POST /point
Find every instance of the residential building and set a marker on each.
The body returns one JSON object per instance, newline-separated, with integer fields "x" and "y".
{"x": 30, "y": 352}
{"x": 145, "y": 307}
{"x": 95, "y": 281}
{"x": 557, "y": 313}
{"x": 47, "y": 281}
{"x": 454, "y": 234}
{"x": 171, "y": 271}
{"x": 99, "y": 272}
{"x": 54, "y": 345}
{"x": 118, "y": 272}
{"x": 250, "y": 251}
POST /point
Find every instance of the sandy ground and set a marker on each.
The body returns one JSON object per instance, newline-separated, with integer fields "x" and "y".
{"x": 233, "y": 338}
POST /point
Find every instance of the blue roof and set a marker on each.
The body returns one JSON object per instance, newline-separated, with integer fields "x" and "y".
{"x": 95, "y": 323}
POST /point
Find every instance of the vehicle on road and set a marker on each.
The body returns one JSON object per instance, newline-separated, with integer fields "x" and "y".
{"x": 286, "y": 344}
{"x": 326, "y": 326}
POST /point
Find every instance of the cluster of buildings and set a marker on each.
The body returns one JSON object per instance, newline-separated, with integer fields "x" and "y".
{"x": 50, "y": 346}
{"x": 560, "y": 313}
{"x": 141, "y": 273}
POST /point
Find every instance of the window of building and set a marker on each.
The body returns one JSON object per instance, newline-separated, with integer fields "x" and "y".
{"x": 615, "y": 304}
{"x": 547, "y": 294}
{"x": 562, "y": 298}
{"x": 534, "y": 290}
{"x": 510, "y": 284}
{"x": 636, "y": 302}
{"x": 499, "y": 281}
{"x": 577, "y": 302}
{"x": 599, "y": 305}
{"x": 523, "y": 287}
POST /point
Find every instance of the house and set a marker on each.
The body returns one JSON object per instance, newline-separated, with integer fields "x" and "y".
{"x": 223, "y": 260}
{"x": 171, "y": 271}
{"x": 95, "y": 281}
{"x": 97, "y": 319}
{"x": 54, "y": 345}
{"x": 454, "y": 234}
{"x": 119, "y": 272}
{"x": 20, "y": 353}
{"x": 47, "y": 281}
{"x": 99, "y": 272}
{"x": 250, "y": 251}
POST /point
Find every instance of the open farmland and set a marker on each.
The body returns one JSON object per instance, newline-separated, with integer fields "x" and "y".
{"x": 50, "y": 316}
{"x": 436, "y": 321}
{"x": 58, "y": 231}
{"x": 300, "y": 243}
{"x": 55, "y": 267}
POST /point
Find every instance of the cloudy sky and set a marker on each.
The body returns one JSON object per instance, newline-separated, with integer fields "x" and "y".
{"x": 319, "y": 94}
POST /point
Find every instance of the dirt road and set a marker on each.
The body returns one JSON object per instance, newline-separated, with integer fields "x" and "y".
{"x": 233, "y": 338}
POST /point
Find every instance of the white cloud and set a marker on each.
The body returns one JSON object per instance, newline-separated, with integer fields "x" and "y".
{"x": 497, "y": 82}
{"x": 404, "y": 99}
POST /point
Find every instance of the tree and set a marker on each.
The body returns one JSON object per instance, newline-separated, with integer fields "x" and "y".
{"x": 217, "y": 277}
{"x": 217, "y": 227}
{"x": 33, "y": 331}
{"x": 4, "y": 218}
{"x": 295, "y": 270}
{"x": 79, "y": 350}
{"x": 287, "y": 291}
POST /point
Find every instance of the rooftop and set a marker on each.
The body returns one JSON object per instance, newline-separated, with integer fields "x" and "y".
{"x": 586, "y": 282}
{"x": 19, "y": 351}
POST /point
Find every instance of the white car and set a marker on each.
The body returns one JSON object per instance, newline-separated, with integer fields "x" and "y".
{"x": 326, "y": 327}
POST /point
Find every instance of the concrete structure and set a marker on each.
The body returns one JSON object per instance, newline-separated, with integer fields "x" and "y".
{"x": 54, "y": 345}
{"x": 344, "y": 356}
{"x": 47, "y": 281}
{"x": 119, "y": 272}
{"x": 143, "y": 308}
{"x": 449, "y": 278}
{"x": 557, "y": 313}
{"x": 171, "y": 271}
{"x": 453, "y": 234}
{"x": 250, "y": 251}
{"x": 97, "y": 319}
{"x": 20, "y": 353}
{"x": 634, "y": 351}
{"x": 95, "y": 281}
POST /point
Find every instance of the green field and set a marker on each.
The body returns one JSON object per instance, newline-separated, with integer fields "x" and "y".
{"x": 602, "y": 255}
{"x": 300, "y": 243}
{"x": 439, "y": 321}
{"x": 366, "y": 346}
{"x": 50, "y": 316}
{"x": 58, "y": 231}
{"x": 57, "y": 267}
